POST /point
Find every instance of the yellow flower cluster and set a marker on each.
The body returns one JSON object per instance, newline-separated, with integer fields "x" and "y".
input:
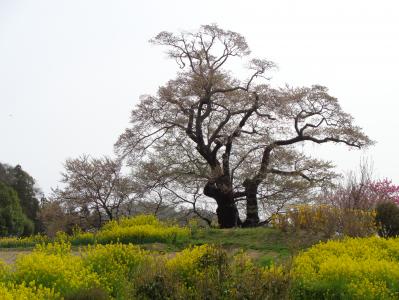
{"x": 22, "y": 242}
{"x": 21, "y": 292}
{"x": 61, "y": 247}
{"x": 116, "y": 265}
{"x": 354, "y": 268}
{"x": 326, "y": 219}
{"x": 120, "y": 271}
{"x": 253, "y": 282}
{"x": 53, "y": 267}
{"x": 133, "y": 221}
{"x": 190, "y": 261}
{"x": 142, "y": 234}
{"x": 51, "y": 271}
{"x": 138, "y": 230}
{"x": 208, "y": 273}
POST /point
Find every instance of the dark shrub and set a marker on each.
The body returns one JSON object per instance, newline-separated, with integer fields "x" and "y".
{"x": 387, "y": 218}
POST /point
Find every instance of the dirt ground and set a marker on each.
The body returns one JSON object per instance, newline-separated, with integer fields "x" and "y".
{"x": 9, "y": 255}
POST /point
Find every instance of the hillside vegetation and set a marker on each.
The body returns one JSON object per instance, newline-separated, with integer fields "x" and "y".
{"x": 263, "y": 244}
{"x": 143, "y": 258}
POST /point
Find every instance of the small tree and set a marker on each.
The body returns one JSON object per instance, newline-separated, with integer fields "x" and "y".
{"x": 237, "y": 138}
{"x": 94, "y": 186}
{"x": 352, "y": 191}
{"x": 384, "y": 190}
{"x": 361, "y": 193}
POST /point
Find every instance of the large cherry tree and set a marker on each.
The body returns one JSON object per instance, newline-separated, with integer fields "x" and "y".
{"x": 236, "y": 138}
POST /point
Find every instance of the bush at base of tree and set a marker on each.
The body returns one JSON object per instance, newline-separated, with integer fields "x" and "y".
{"x": 387, "y": 218}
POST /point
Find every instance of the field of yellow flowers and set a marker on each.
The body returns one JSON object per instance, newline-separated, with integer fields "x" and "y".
{"x": 137, "y": 230}
{"x": 125, "y": 271}
{"x": 110, "y": 264}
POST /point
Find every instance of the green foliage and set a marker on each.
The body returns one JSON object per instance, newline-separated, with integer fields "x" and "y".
{"x": 83, "y": 238}
{"x": 95, "y": 293}
{"x": 24, "y": 185}
{"x": 354, "y": 268}
{"x": 12, "y": 219}
{"x": 387, "y": 218}
{"x": 29, "y": 226}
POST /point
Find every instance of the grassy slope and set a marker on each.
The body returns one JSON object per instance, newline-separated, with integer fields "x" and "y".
{"x": 264, "y": 245}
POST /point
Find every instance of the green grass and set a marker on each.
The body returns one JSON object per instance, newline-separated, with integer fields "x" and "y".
{"x": 265, "y": 245}
{"x": 264, "y": 239}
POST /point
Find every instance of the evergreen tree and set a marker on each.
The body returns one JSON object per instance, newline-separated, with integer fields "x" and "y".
{"x": 12, "y": 219}
{"x": 24, "y": 185}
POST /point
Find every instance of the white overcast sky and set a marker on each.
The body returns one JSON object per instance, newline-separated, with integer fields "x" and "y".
{"x": 71, "y": 71}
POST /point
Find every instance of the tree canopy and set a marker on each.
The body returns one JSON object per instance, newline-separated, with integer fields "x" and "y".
{"x": 12, "y": 219}
{"x": 24, "y": 185}
{"x": 95, "y": 188}
{"x": 234, "y": 140}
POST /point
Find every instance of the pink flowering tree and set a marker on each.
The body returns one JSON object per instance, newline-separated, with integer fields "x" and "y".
{"x": 384, "y": 190}
{"x": 362, "y": 193}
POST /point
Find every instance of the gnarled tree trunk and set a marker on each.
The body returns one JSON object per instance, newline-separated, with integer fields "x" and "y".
{"x": 226, "y": 211}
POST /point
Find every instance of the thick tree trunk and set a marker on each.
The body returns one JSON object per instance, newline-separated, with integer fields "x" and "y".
{"x": 99, "y": 221}
{"x": 251, "y": 190}
{"x": 226, "y": 211}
